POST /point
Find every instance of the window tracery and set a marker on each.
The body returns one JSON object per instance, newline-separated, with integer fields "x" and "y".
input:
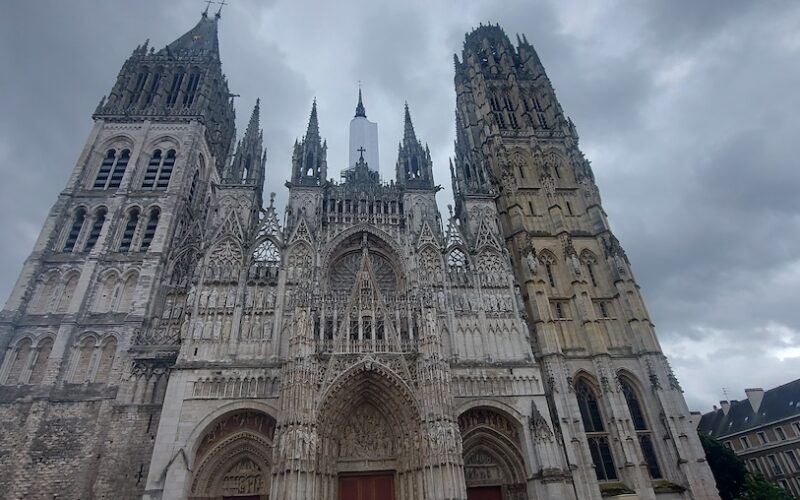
{"x": 75, "y": 229}
{"x": 640, "y": 425}
{"x": 112, "y": 169}
{"x": 159, "y": 170}
{"x": 596, "y": 434}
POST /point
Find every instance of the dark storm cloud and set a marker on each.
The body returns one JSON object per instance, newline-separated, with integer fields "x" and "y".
{"x": 686, "y": 109}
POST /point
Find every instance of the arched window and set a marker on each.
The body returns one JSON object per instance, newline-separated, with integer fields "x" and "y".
{"x": 106, "y": 360}
{"x": 193, "y": 187}
{"x": 75, "y": 229}
{"x": 43, "y": 300}
{"x": 83, "y": 359}
{"x": 130, "y": 230}
{"x": 155, "y": 81}
{"x": 21, "y": 355}
{"x": 112, "y": 169}
{"x": 149, "y": 230}
{"x": 97, "y": 227}
{"x": 105, "y": 293}
{"x": 596, "y": 435}
{"x": 159, "y": 170}
{"x": 162, "y": 181}
{"x": 191, "y": 87}
{"x": 40, "y": 363}
{"x": 126, "y": 296}
{"x": 66, "y": 295}
{"x": 457, "y": 260}
{"x": 267, "y": 253}
{"x": 175, "y": 88}
{"x": 548, "y": 261}
{"x": 642, "y": 430}
{"x": 136, "y": 92}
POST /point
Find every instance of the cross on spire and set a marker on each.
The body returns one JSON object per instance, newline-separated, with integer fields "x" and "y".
{"x": 219, "y": 11}
{"x": 361, "y": 150}
{"x": 208, "y": 4}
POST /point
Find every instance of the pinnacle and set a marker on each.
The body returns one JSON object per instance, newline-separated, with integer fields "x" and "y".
{"x": 313, "y": 124}
{"x": 408, "y": 129}
{"x": 252, "y": 126}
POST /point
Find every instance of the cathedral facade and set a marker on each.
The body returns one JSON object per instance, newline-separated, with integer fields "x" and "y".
{"x": 172, "y": 336}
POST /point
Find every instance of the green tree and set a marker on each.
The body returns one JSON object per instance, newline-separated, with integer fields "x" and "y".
{"x": 733, "y": 480}
{"x": 728, "y": 469}
{"x": 758, "y": 488}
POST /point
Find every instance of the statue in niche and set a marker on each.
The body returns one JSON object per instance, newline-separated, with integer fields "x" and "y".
{"x": 531, "y": 260}
{"x": 575, "y": 265}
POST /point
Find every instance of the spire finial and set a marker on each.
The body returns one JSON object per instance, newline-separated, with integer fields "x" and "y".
{"x": 219, "y": 11}
{"x": 208, "y": 4}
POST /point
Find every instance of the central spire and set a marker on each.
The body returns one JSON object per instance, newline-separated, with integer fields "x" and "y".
{"x": 360, "y": 111}
{"x": 363, "y": 138}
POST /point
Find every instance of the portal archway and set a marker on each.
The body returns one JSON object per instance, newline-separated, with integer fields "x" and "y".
{"x": 234, "y": 457}
{"x": 494, "y": 468}
{"x": 369, "y": 426}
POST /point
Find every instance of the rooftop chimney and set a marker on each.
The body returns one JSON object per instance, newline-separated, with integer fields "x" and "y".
{"x": 755, "y": 396}
{"x": 725, "y": 406}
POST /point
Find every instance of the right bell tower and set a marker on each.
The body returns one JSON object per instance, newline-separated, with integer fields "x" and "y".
{"x": 619, "y": 409}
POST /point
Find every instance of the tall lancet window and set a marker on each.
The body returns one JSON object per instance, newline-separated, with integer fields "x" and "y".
{"x": 75, "y": 230}
{"x": 150, "y": 230}
{"x": 642, "y": 430}
{"x": 191, "y": 87}
{"x": 97, "y": 227}
{"x": 175, "y": 88}
{"x": 596, "y": 434}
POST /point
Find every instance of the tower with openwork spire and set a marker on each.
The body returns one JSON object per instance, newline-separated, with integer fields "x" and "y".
{"x": 622, "y": 417}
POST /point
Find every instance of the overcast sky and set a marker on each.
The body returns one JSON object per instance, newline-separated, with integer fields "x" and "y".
{"x": 687, "y": 109}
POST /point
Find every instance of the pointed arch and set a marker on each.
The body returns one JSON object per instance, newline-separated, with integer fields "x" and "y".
{"x": 46, "y": 291}
{"x": 492, "y": 448}
{"x": 43, "y": 348}
{"x": 368, "y": 413}
{"x": 108, "y": 350}
{"x": 20, "y": 360}
{"x": 106, "y": 291}
{"x": 632, "y": 391}
{"x": 233, "y": 455}
{"x": 597, "y": 437}
{"x": 128, "y": 288}
{"x": 83, "y": 352}
{"x": 70, "y": 283}
{"x": 224, "y": 261}
{"x": 548, "y": 261}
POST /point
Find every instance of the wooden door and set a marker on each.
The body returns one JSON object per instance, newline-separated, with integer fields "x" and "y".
{"x": 485, "y": 493}
{"x": 373, "y": 487}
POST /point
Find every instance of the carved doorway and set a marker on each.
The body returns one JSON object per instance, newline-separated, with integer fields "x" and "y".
{"x": 234, "y": 458}
{"x": 372, "y": 487}
{"x": 485, "y": 493}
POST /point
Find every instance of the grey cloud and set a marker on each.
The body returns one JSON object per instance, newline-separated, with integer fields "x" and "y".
{"x": 686, "y": 109}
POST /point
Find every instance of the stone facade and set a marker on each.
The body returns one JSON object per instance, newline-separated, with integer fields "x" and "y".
{"x": 169, "y": 337}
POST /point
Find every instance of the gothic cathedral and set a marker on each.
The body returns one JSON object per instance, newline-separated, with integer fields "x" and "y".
{"x": 172, "y": 336}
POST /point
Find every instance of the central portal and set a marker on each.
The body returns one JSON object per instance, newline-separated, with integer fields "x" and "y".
{"x": 373, "y": 487}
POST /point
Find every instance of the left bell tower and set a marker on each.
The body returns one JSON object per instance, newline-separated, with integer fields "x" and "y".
{"x": 92, "y": 326}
